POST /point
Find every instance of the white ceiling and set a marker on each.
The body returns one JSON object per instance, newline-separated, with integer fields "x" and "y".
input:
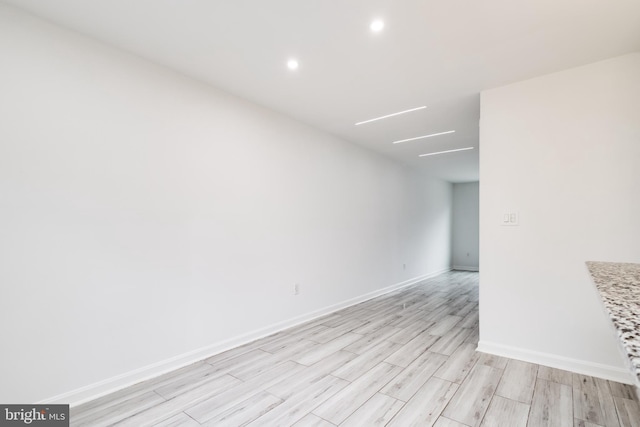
{"x": 435, "y": 53}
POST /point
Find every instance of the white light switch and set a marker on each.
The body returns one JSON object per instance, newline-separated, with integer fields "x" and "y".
{"x": 510, "y": 218}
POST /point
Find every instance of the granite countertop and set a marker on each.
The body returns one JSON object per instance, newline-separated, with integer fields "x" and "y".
{"x": 619, "y": 286}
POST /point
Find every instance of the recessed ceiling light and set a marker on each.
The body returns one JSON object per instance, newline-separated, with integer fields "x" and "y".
{"x": 447, "y": 151}
{"x": 391, "y": 115}
{"x": 292, "y": 64}
{"x": 377, "y": 26}
{"x": 424, "y": 136}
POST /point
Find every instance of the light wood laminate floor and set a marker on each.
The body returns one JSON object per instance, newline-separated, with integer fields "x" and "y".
{"x": 404, "y": 359}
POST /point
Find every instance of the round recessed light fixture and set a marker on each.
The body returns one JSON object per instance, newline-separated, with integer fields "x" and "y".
{"x": 292, "y": 64}
{"x": 377, "y": 25}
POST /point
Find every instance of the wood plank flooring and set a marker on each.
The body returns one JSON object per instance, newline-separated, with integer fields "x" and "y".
{"x": 404, "y": 359}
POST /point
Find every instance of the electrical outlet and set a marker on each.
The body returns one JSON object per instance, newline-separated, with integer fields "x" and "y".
{"x": 296, "y": 289}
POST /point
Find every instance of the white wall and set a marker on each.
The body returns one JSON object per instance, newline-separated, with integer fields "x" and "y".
{"x": 465, "y": 233}
{"x": 564, "y": 151}
{"x": 149, "y": 220}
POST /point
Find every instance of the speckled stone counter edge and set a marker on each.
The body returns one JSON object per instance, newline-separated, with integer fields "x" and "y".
{"x": 619, "y": 288}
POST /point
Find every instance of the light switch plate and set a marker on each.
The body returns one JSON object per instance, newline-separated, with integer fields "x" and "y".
{"x": 510, "y": 218}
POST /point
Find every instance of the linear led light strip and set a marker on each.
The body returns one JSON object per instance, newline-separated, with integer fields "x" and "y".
{"x": 391, "y": 115}
{"x": 447, "y": 151}
{"x": 423, "y": 136}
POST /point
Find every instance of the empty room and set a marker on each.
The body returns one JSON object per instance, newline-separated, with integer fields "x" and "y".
{"x": 320, "y": 213}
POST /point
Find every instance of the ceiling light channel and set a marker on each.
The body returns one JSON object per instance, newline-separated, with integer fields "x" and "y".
{"x": 391, "y": 115}
{"x": 447, "y": 151}
{"x": 424, "y": 136}
{"x": 292, "y": 64}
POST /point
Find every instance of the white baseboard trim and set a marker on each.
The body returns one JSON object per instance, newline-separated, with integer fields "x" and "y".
{"x": 110, "y": 385}
{"x": 464, "y": 268}
{"x": 583, "y": 367}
